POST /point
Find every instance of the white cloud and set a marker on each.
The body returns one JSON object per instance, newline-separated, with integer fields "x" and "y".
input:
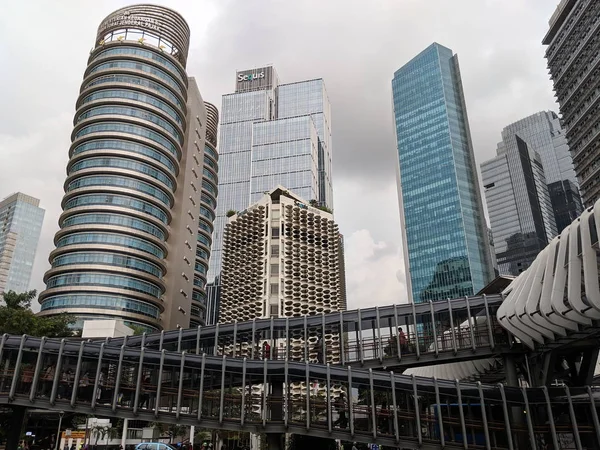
{"x": 354, "y": 50}
{"x": 373, "y": 279}
{"x": 34, "y": 163}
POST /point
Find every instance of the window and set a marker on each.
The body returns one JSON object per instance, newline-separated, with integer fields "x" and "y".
{"x": 593, "y": 230}
{"x": 274, "y": 310}
{"x": 274, "y": 250}
{"x": 274, "y": 269}
{"x": 276, "y": 214}
{"x": 274, "y": 288}
{"x": 275, "y": 232}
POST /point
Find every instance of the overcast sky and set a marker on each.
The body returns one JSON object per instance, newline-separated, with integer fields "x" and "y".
{"x": 354, "y": 45}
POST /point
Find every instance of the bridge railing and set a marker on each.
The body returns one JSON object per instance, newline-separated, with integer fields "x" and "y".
{"x": 243, "y": 394}
{"x": 387, "y": 334}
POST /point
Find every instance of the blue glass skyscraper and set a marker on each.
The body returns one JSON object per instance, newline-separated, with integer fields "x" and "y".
{"x": 443, "y": 226}
{"x": 20, "y": 227}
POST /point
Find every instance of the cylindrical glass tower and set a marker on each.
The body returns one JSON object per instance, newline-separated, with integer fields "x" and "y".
{"x": 125, "y": 155}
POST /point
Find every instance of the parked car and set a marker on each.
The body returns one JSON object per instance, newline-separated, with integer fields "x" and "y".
{"x": 154, "y": 446}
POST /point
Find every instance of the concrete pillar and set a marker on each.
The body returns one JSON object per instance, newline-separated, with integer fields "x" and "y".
{"x": 124, "y": 435}
{"x": 192, "y": 434}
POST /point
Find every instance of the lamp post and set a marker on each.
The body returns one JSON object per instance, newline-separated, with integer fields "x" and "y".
{"x": 60, "y": 416}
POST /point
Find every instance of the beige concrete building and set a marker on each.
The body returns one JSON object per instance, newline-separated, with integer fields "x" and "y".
{"x": 283, "y": 258}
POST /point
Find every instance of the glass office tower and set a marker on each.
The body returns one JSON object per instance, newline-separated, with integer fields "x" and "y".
{"x": 530, "y": 189}
{"x": 271, "y": 134}
{"x": 20, "y": 227}
{"x": 444, "y": 231}
{"x": 139, "y": 186}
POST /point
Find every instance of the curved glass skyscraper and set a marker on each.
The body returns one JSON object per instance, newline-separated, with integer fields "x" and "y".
{"x": 134, "y": 195}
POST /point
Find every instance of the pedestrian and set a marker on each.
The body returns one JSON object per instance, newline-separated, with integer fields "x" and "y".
{"x": 403, "y": 340}
{"x": 319, "y": 349}
{"x": 266, "y": 350}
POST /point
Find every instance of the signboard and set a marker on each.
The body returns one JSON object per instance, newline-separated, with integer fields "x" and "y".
{"x": 77, "y": 434}
{"x": 127, "y": 19}
{"x": 255, "y": 79}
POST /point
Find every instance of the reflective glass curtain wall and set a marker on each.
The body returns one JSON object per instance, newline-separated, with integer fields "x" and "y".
{"x": 445, "y": 236}
{"x": 271, "y": 134}
{"x": 134, "y": 190}
{"x": 20, "y": 227}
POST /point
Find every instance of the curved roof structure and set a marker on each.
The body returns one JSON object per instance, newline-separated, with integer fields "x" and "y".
{"x": 559, "y": 292}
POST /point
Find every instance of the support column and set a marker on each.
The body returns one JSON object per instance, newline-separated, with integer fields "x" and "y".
{"x": 589, "y": 358}
{"x": 16, "y": 427}
{"x": 124, "y": 435}
{"x": 510, "y": 370}
{"x": 192, "y": 434}
{"x": 516, "y": 413}
{"x": 275, "y": 440}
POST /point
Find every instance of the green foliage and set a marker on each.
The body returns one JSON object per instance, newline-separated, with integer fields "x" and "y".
{"x": 203, "y": 435}
{"x": 16, "y": 317}
{"x": 231, "y": 212}
{"x": 171, "y": 430}
{"x": 315, "y": 204}
{"x": 137, "y": 330}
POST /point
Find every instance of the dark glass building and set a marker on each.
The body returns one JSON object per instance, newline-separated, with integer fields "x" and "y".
{"x": 526, "y": 186}
{"x": 444, "y": 230}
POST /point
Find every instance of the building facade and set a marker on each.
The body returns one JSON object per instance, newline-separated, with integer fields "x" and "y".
{"x": 135, "y": 195}
{"x": 518, "y": 204}
{"x": 444, "y": 231}
{"x": 270, "y": 134}
{"x": 282, "y": 258}
{"x": 208, "y": 206}
{"x": 573, "y": 56}
{"x": 530, "y": 188}
{"x": 21, "y": 221}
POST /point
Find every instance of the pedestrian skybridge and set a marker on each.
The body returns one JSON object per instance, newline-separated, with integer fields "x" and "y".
{"x": 431, "y": 333}
{"x": 286, "y": 396}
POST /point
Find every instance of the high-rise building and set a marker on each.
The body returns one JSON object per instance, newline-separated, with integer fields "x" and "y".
{"x": 271, "y": 134}
{"x": 518, "y": 204}
{"x": 281, "y": 258}
{"x": 444, "y": 231}
{"x": 573, "y": 56}
{"x": 140, "y": 180}
{"x": 208, "y": 205}
{"x": 20, "y": 227}
{"x": 530, "y": 188}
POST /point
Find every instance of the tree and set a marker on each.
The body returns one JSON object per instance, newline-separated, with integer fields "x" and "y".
{"x": 16, "y": 317}
{"x": 231, "y": 212}
{"x": 172, "y": 430}
{"x": 99, "y": 432}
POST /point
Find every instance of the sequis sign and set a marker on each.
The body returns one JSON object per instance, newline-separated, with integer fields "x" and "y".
{"x": 250, "y": 76}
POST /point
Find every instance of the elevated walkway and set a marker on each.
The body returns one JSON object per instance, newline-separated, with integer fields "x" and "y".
{"x": 276, "y": 396}
{"x": 432, "y": 333}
